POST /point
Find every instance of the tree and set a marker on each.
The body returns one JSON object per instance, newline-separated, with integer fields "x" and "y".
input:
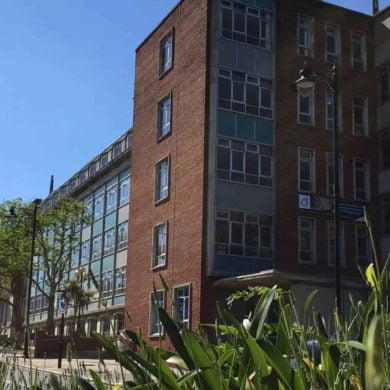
{"x": 57, "y": 234}
{"x": 15, "y": 252}
{"x": 78, "y": 297}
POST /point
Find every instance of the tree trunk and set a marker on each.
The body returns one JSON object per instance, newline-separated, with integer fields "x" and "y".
{"x": 18, "y": 291}
{"x": 50, "y": 324}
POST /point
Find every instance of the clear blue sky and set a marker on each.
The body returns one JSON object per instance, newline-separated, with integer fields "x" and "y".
{"x": 66, "y": 83}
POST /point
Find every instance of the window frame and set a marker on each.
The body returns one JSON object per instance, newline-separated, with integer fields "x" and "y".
{"x": 156, "y": 263}
{"x": 312, "y": 169}
{"x": 310, "y": 114}
{"x": 364, "y": 113}
{"x": 109, "y": 249}
{"x": 384, "y": 84}
{"x": 164, "y": 128}
{"x": 153, "y": 313}
{"x": 166, "y": 56}
{"x": 365, "y": 257}
{"x": 119, "y": 274}
{"x": 337, "y": 39}
{"x": 122, "y": 243}
{"x": 363, "y": 50}
{"x": 384, "y": 149}
{"x": 313, "y": 240}
{"x": 366, "y": 176}
{"x": 305, "y": 49}
{"x": 231, "y": 221}
{"x": 184, "y": 320}
{"x": 161, "y": 189}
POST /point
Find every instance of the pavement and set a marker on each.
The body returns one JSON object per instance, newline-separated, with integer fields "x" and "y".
{"x": 108, "y": 370}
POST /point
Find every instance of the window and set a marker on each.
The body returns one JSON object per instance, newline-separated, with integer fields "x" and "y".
{"x": 97, "y": 247}
{"x": 120, "y": 280}
{"x": 93, "y": 168}
{"x": 332, "y": 43}
{"x": 92, "y": 325}
{"x": 104, "y": 159}
{"x": 363, "y": 248}
{"x": 181, "y": 308}
{"x": 85, "y": 247}
{"x": 386, "y": 214}
{"x": 306, "y": 170}
{"x": 157, "y": 300}
{"x": 73, "y": 183}
{"x": 242, "y": 234}
{"x": 246, "y": 24}
{"x": 111, "y": 196}
{"x": 361, "y": 174}
{"x": 164, "y": 117}
{"x": 331, "y": 244}
{"x": 307, "y": 240}
{"x": 160, "y": 239}
{"x": 122, "y": 235}
{"x": 105, "y": 326}
{"x": 329, "y": 108}
{"x": 384, "y": 147}
{"x": 83, "y": 176}
{"x": 124, "y": 191}
{"x": 107, "y": 284}
{"x": 359, "y": 112}
{"x": 161, "y": 180}
{"x": 166, "y": 53}
{"x": 98, "y": 205}
{"x": 109, "y": 241}
{"x": 244, "y": 162}
{"x": 384, "y": 84}
{"x": 306, "y": 109}
{"x": 74, "y": 261}
{"x": 358, "y": 43}
{"x": 119, "y": 323}
{"x": 241, "y": 92}
{"x": 330, "y": 174}
{"x": 117, "y": 149}
{"x": 305, "y": 36}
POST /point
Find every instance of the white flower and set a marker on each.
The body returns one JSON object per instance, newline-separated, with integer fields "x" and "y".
{"x": 246, "y": 324}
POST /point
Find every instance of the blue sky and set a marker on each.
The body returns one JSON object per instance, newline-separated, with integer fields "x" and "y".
{"x": 66, "y": 83}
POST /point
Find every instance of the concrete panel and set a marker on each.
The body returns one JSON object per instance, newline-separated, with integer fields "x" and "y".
{"x": 121, "y": 259}
{"x": 86, "y": 233}
{"x": 243, "y": 197}
{"x": 123, "y": 214}
{"x": 227, "y": 54}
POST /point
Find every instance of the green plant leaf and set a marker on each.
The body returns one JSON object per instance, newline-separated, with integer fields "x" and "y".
{"x": 97, "y": 381}
{"x": 85, "y": 385}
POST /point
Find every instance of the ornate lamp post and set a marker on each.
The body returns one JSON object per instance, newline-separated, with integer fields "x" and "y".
{"x": 305, "y": 85}
{"x": 36, "y": 204}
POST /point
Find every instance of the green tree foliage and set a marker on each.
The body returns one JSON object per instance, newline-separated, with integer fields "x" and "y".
{"x": 56, "y": 237}
{"x": 15, "y": 252}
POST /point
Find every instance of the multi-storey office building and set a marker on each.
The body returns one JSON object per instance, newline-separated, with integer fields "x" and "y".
{"x": 104, "y": 184}
{"x": 232, "y": 172}
{"x": 382, "y": 62}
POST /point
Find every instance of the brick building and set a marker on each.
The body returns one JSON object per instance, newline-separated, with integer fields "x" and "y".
{"x": 231, "y": 170}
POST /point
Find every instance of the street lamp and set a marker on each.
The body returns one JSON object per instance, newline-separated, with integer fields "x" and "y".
{"x": 80, "y": 275}
{"x": 305, "y": 85}
{"x": 36, "y": 204}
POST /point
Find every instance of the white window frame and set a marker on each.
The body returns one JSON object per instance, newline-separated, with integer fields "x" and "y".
{"x": 331, "y": 244}
{"x": 362, "y": 259}
{"x": 166, "y": 53}
{"x": 239, "y": 85}
{"x": 161, "y": 188}
{"x": 306, "y": 117}
{"x": 122, "y": 235}
{"x": 160, "y": 245}
{"x": 156, "y": 328}
{"x": 263, "y": 18}
{"x": 119, "y": 280}
{"x": 97, "y": 246}
{"x": 359, "y": 62}
{"x": 124, "y": 190}
{"x": 237, "y": 148}
{"x": 332, "y": 31}
{"x": 109, "y": 241}
{"x": 305, "y": 42}
{"x": 312, "y": 230}
{"x": 184, "y": 316}
{"x": 107, "y": 284}
{"x": 164, "y": 111}
{"x": 365, "y": 170}
{"x": 234, "y": 220}
{"x": 111, "y": 198}
{"x": 98, "y": 205}
{"x": 311, "y": 162}
{"x": 360, "y": 128}
{"x": 330, "y": 174}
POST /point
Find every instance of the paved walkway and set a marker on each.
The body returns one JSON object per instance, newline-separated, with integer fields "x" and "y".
{"x": 109, "y": 371}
